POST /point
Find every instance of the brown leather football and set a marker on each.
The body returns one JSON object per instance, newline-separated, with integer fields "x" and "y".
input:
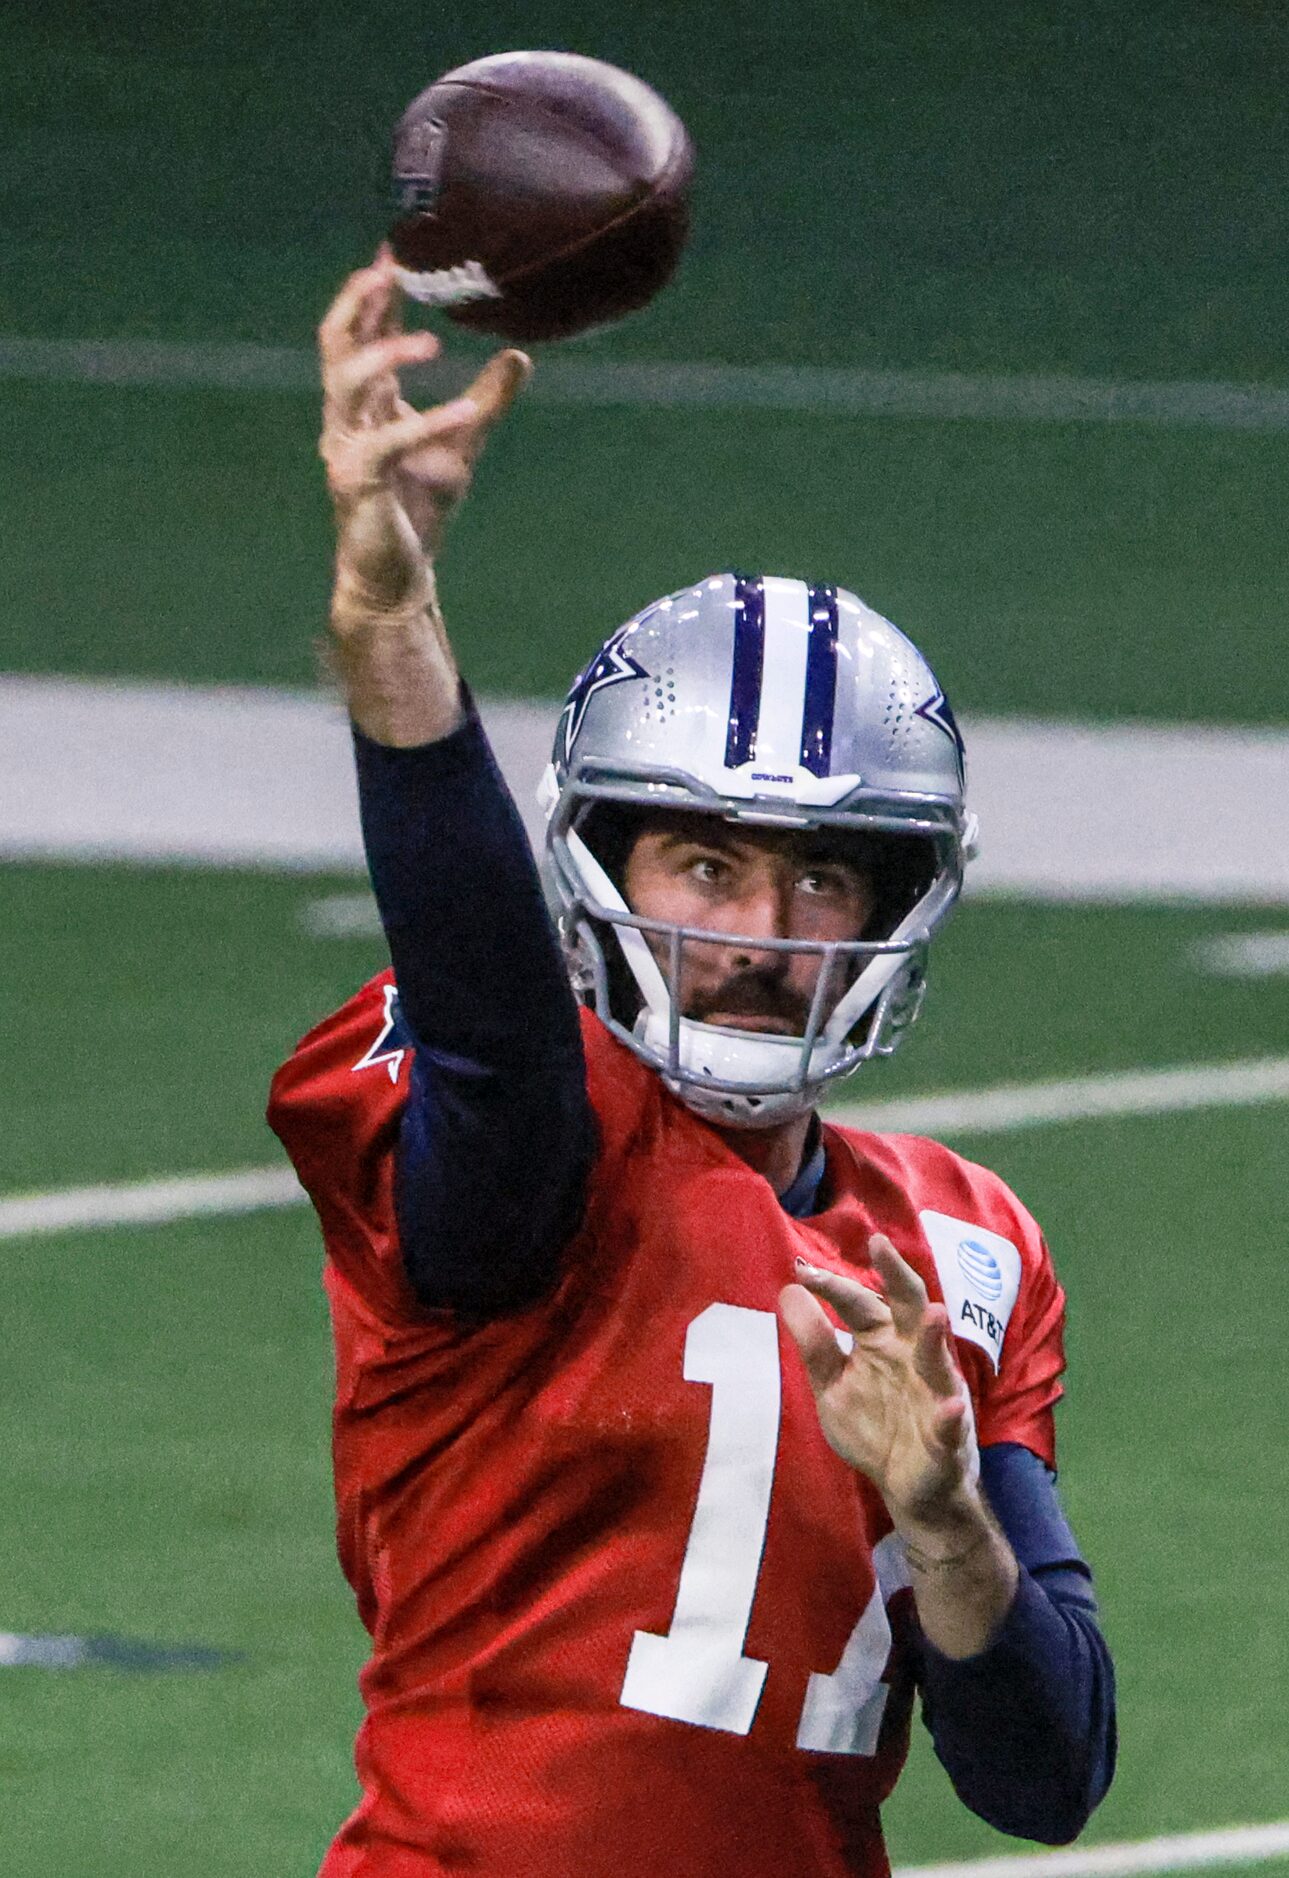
{"x": 539, "y": 193}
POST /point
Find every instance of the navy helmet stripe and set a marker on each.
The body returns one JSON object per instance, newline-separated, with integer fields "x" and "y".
{"x": 745, "y": 678}
{"x": 821, "y": 682}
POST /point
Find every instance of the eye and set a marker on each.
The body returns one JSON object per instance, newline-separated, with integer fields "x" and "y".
{"x": 829, "y": 882}
{"x": 709, "y": 869}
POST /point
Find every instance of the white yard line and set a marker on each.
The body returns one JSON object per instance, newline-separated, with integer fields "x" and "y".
{"x": 1240, "y": 954}
{"x": 149, "y": 1202}
{"x": 581, "y": 380}
{"x": 1078, "y": 1098}
{"x": 1186, "y": 1851}
{"x": 967, "y": 1111}
{"x": 242, "y": 776}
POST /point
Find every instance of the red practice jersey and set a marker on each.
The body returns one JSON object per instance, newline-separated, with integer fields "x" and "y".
{"x": 630, "y": 1615}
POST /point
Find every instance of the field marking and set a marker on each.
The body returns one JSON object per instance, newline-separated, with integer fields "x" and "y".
{"x": 1244, "y": 954}
{"x": 1185, "y": 1851}
{"x": 149, "y": 1202}
{"x": 108, "y": 1652}
{"x": 246, "y": 776}
{"x": 966, "y": 1111}
{"x": 815, "y": 390}
{"x": 341, "y": 916}
{"x": 1076, "y": 1098}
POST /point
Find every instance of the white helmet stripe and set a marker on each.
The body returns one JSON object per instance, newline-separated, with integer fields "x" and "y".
{"x": 783, "y": 675}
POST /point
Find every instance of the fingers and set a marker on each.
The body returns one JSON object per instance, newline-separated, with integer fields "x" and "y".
{"x": 356, "y": 311}
{"x": 952, "y": 1424}
{"x": 385, "y": 309}
{"x": 498, "y": 385}
{"x": 915, "y": 1317}
{"x": 372, "y": 440}
{"x": 411, "y": 433}
{"x": 362, "y": 348}
{"x": 813, "y": 1335}
{"x": 356, "y": 387}
{"x": 932, "y": 1357}
{"x": 903, "y": 1304}
{"x": 350, "y": 378}
{"x": 428, "y": 444}
{"x": 905, "y": 1292}
{"x": 858, "y": 1307}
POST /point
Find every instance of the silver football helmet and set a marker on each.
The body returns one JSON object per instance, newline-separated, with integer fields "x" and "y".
{"x": 773, "y": 704}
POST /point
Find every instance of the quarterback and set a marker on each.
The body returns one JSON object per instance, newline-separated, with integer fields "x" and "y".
{"x": 683, "y": 1441}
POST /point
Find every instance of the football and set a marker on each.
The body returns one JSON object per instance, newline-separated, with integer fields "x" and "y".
{"x": 539, "y": 194}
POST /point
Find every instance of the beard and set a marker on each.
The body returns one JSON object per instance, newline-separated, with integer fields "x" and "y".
{"x": 756, "y": 995}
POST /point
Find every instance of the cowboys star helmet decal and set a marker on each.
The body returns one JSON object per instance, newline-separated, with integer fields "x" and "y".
{"x": 610, "y": 666}
{"x": 938, "y": 711}
{"x": 392, "y": 1042}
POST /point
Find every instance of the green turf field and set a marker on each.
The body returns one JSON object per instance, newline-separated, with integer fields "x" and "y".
{"x": 167, "y": 1386}
{"x": 928, "y": 187}
{"x": 1023, "y": 187}
{"x": 1129, "y": 544}
{"x": 182, "y": 990}
{"x": 167, "y": 1475}
{"x": 166, "y": 1396}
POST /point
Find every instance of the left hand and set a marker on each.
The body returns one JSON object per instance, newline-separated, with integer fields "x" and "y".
{"x": 896, "y": 1407}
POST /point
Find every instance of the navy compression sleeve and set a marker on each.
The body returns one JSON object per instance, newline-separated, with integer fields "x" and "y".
{"x": 1026, "y": 1729}
{"x": 497, "y": 1132}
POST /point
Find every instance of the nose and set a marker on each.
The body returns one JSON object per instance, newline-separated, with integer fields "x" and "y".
{"x": 763, "y": 912}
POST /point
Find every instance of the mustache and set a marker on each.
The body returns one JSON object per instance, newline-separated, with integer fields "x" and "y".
{"x": 752, "y": 994}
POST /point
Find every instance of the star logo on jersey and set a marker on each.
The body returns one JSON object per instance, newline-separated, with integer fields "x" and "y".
{"x": 938, "y": 711}
{"x": 610, "y": 666}
{"x": 393, "y": 1041}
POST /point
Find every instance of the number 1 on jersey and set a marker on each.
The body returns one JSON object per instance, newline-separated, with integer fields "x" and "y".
{"x": 697, "y": 1672}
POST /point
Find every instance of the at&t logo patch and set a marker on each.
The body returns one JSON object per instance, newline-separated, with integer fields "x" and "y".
{"x": 980, "y": 1276}
{"x": 980, "y": 1268}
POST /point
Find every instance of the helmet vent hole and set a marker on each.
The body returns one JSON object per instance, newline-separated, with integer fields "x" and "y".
{"x": 901, "y": 706}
